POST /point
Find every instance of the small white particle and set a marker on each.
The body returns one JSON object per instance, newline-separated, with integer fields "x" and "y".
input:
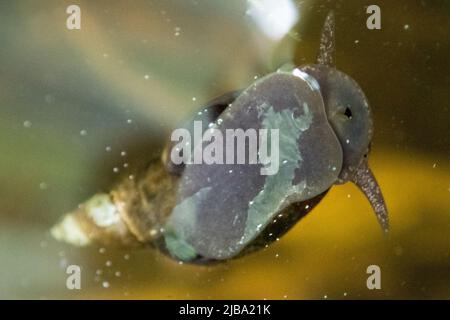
{"x": 105, "y": 284}
{"x": 129, "y": 121}
{"x": 43, "y": 186}
{"x": 115, "y": 170}
{"x": 108, "y": 263}
{"x": 49, "y": 98}
{"x": 27, "y": 124}
{"x": 83, "y": 133}
{"x": 126, "y": 257}
{"x": 118, "y": 274}
{"x": 356, "y": 41}
{"x": 406, "y": 27}
{"x": 108, "y": 149}
{"x": 102, "y": 250}
{"x": 194, "y": 99}
{"x": 63, "y": 263}
{"x": 123, "y": 153}
{"x": 131, "y": 177}
{"x": 146, "y": 77}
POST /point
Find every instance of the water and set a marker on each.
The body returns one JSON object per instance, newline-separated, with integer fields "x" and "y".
{"x": 134, "y": 71}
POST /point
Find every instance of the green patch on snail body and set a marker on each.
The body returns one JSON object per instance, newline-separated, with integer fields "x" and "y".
{"x": 178, "y": 247}
{"x": 279, "y": 186}
{"x": 175, "y": 238}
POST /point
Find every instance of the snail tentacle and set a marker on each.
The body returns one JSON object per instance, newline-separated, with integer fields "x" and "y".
{"x": 327, "y": 42}
{"x": 366, "y": 181}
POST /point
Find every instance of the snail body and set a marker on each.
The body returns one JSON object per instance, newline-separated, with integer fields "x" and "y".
{"x": 212, "y": 212}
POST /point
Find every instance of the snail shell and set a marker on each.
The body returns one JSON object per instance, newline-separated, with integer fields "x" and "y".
{"x": 210, "y": 212}
{"x": 221, "y": 208}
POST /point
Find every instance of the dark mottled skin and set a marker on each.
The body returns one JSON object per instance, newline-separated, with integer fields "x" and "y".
{"x": 222, "y": 218}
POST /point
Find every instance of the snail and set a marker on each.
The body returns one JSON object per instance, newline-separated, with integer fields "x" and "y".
{"x": 203, "y": 213}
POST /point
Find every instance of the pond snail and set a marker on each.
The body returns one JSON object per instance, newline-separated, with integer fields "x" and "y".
{"x": 213, "y": 212}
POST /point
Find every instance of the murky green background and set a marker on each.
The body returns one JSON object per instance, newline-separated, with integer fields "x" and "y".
{"x": 72, "y": 101}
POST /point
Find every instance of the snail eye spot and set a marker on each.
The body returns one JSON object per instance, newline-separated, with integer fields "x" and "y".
{"x": 348, "y": 113}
